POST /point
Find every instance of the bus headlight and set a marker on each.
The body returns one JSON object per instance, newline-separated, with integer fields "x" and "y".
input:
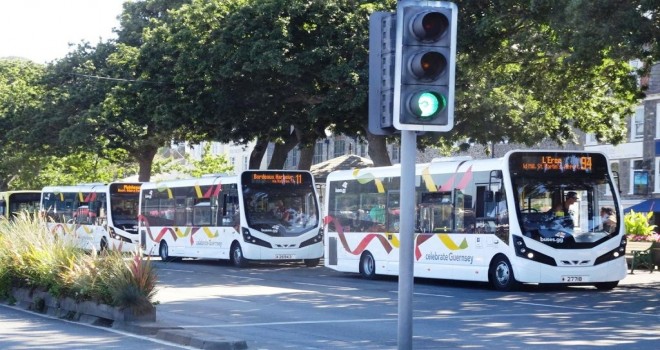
{"x": 615, "y": 253}
{"x": 530, "y": 254}
{"x": 249, "y": 238}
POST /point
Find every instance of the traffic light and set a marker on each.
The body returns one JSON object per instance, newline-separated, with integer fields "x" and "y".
{"x": 381, "y": 72}
{"x": 424, "y": 65}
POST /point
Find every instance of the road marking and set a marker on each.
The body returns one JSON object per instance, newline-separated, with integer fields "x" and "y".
{"x": 221, "y": 275}
{"x": 434, "y": 295}
{"x": 361, "y": 320}
{"x": 422, "y": 318}
{"x": 177, "y": 270}
{"x": 426, "y": 294}
{"x": 590, "y": 310}
{"x": 326, "y": 286}
{"x": 290, "y": 323}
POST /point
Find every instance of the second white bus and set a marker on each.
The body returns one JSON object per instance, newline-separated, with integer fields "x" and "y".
{"x": 95, "y": 216}
{"x": 492, "y": 220}
{"x": 257, "y": 215}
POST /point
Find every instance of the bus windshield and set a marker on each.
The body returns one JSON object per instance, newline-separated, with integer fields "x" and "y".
{"x": 563, "y": 200}
{"x": 280, "y": 204}
{"x": 124, "y": 198}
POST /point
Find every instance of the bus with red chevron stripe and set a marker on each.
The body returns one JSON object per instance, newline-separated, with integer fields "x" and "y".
{"x": 94, "y": 216}
{"x": 270, "y": 215}
{"x": 529, "y": 217}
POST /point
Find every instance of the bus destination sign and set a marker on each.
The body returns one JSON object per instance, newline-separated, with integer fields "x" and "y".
{"x": 532, "y": 162}
{"x": 277, "y": 178}
{"x": 127, "y": 188}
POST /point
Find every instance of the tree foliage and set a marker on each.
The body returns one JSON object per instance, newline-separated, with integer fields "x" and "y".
{"x": 209, "y": 164}
{"x": 19, "y": 94}
{"x": 283, "y": 71}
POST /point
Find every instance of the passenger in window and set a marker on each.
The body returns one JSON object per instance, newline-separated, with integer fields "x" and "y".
{"x": 311, "y": 220}
{"x": 300, "y": 218}
{"x": 377, "y": 213}
{"x": 347, "y": 214}
{"x": 608, "y": 219}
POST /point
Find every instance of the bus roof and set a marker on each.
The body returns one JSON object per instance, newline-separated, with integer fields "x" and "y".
{"x": 441, "y": 166}
{"x": 200, "y": 181}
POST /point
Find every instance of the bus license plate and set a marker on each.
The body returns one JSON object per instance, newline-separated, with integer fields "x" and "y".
{"x": 284, "y": 256}
{"x": 574, "y": 279}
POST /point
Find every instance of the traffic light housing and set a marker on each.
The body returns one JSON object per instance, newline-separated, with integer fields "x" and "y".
{"x": 424, "y": 65}
{"x": 382, "y": 42}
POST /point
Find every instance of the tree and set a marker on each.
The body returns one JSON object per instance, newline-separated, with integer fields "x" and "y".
{"x": 276, "y": 70}
{"x": 113, "y": 96}
{"x": 19, "y": 93}
{"x": 210, "y": 164}
{"x": 534, "y": 70}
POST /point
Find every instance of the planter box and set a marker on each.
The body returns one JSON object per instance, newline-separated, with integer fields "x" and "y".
{"x": 86, "y": 311}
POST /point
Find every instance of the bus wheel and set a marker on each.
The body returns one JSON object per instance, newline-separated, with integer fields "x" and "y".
{"x": 501, "y": 274}
{"x": 164, "y": 252}
{"x": 607, "y": 285}
{"x": 367, "y": 266}
{"x": 237, "y": 258}
{"x": 311, "y": 262}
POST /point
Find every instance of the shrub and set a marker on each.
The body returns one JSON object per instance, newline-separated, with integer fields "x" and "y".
{"x": 130, "y": 283}
{"x": 638, "y": 227}
{"x": 30, "y": 256}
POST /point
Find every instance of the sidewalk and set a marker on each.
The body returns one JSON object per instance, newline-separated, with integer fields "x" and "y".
{"x": 641, "y": 279}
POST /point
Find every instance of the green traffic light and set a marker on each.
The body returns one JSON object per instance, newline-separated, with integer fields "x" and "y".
{"x": 426, "y": 105}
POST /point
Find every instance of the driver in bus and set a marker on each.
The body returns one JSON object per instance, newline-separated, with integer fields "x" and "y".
{"x": 280, "y": 211}
{"x": 564, "y": 212}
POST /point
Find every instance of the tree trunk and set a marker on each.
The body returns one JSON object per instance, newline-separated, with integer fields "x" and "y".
{"x": 257, "y": 153}
{"x": 378, "y": 150}
{"x": 145, "y": 159}
{"x": 281, "y": 150}
{"x": 306, "y": 158}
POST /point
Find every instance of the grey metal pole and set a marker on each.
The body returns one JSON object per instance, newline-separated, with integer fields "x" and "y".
{"x": 406, "y": 237}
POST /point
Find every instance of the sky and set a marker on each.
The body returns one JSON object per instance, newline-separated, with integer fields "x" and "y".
{"x": 41, "y": 30}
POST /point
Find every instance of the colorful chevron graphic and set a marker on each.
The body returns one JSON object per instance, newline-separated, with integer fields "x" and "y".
{"x": 177, "y": 232}
{"x": 444, "y": 238}
{"x": 362, "y": 245}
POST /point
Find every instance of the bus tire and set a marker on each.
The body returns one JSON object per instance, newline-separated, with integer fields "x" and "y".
{"x": 311, "y": 262}
{"x": 606, "y": 285}
{"x": 164, "y": 252}
{"x": 501, "y": 275}
{"x": 236, "y": 255}
{"x": 367, "y": 265}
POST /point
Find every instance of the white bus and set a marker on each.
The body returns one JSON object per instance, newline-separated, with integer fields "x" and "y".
{"x": 15, "y": 202}
{"x": 95, "y": 216}
{"x": 257, "y": 215}
{"x": 491, "y": 220}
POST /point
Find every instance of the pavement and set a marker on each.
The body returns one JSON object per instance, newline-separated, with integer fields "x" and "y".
{"x": 639, "y": 279}
{"x": 197, "y": 339}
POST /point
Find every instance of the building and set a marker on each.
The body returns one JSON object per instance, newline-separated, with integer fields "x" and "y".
{"x": 637, "y": 161}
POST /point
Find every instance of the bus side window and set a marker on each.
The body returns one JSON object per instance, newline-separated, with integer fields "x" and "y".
{"x": 469, "y": 220}
{"x": 230, "y": 210}
{"x": 180, "y": 211}
{"x": 202, "y": 213}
